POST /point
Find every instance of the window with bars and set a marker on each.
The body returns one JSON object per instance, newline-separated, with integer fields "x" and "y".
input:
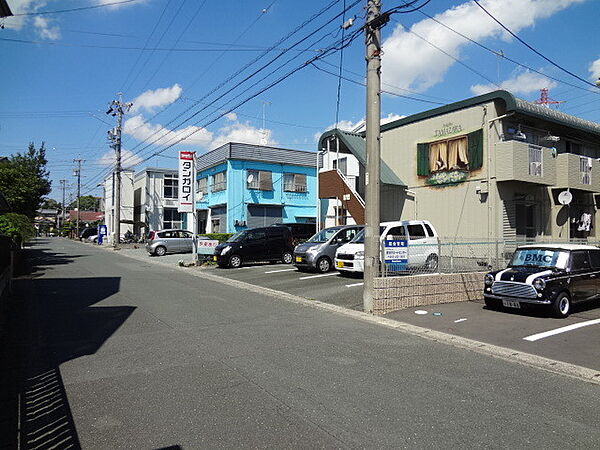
{"x": 585, "y": 170}
{"x": 219, "y": 182}
{"x": 171, "y": 186}
{"x": 535, "y": 161}
{"x": 294, "y": 182}
{"x": 202, "y": 185}
{"x": 259, "y": 179}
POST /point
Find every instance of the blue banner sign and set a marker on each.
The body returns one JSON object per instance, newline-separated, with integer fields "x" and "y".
{"x": 395, "y": 255}
{"x": 101, "y": 233}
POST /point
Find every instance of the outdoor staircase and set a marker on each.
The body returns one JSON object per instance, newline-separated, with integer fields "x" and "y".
{"x": 333, "y": 184}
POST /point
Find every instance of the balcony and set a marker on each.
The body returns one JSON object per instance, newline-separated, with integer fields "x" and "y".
{"x": 520, "y": 161}
{"x": 576, "y": 172}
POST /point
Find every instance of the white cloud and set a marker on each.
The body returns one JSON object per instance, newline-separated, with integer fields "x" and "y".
{"x": 150, "y": 100}
{"x": 118, "y": 5}
{"x": 129, "y": 158}
{"x": 411, "y": 63}
{"x": 243, "y": 133}
{"x": 232, "y": 117}
{"x": 356, "y": 127}
{"x": 523, "y": 83}
{"x": 595, "y": 70}
{"x": 137, "y": 128}
{"x": 46, "y": 29}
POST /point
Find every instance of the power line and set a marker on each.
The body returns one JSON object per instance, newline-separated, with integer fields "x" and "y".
{"x": 82, "y": 8}
{"x": 533, "y": 49}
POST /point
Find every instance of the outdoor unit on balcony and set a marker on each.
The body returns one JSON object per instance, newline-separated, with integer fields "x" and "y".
{"x": 535, "y": 169}
{"x": 585, "y": 170}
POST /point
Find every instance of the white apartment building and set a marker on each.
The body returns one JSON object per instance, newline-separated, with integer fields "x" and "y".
{"x": 126, "y": 202}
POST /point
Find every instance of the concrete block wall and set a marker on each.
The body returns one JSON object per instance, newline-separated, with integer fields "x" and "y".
{"x": 395, "y": 293}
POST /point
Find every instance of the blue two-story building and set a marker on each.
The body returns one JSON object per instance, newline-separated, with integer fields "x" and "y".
{"x": 243, "y": 186}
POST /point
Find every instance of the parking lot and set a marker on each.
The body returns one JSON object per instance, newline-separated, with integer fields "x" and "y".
{"x": 573, "y": 340}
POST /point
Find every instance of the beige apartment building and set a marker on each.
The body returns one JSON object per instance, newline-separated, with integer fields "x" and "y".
{"x": 490, "y": 167}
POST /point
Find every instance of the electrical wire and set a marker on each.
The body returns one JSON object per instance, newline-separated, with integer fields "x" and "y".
{"x": 339, "y": 86}
{"x": 82, "y": 8}
{"x": 558, "y": 66}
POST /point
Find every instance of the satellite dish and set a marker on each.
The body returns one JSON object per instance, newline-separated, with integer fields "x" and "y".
{"x": 250, "y": 178}
{"x": 565, "y": 197}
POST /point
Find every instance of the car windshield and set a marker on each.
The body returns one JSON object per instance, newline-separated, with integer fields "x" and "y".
{"x": 323, "y": 235}
{"x": 539, "y": 257}
{"x": 238, "y": 237}
{"x": 360, "y": 237}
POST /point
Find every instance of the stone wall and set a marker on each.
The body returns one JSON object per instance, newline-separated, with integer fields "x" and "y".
{"x": 394, "y": 293}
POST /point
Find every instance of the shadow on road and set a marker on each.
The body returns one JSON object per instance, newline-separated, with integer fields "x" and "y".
{"x": 49, "y": 321}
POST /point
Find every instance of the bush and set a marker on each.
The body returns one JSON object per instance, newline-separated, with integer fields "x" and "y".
{"x": 17, "y": 226}
{"x": 221, "y": 237}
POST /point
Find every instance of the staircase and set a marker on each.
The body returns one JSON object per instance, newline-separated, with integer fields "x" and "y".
{"x": 333, "y": 184}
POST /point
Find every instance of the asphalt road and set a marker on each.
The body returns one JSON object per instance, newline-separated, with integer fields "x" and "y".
{"x": 130, "y": 354}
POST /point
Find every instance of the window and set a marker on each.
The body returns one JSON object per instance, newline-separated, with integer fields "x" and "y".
{"x": 170, "y": 189}
{"x": 219, "y": 182}
{"x": 171, "y": 218}
{"x": 525, "y": 214}
{"x": 203, "y": 185}
{"x": 448, "y": 155}
{"x": 259, "y": 179}
{"x": 585, "y": 170}
{"x": 429, "y": 230}
{"x": 294, "y": 182}
{"x": 256, "y": 235}
{"x": 535, "y": 161}
{"x": 416, "y": 232}
{"x": 580, "y": 261}
{"x": 396, "y": 234}
{"x": 341, "y": 164}
{"x": 346, "y": 235}
{"x": 595, "y": 258}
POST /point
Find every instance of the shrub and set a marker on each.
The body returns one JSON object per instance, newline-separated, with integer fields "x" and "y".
{"x": 17, "y": 226}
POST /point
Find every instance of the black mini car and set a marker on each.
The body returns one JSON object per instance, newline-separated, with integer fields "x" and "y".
{"x": 546, "y": 274}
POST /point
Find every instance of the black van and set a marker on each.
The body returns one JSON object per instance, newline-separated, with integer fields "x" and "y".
{"x": 300, "y": 231}
{"x": 257, "y": 244}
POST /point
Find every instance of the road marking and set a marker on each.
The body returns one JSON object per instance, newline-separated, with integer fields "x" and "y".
{"x": 536, "y": 337}
{"x": 317, "y": 276}
{"x": 280, "y": 270}
{"x": 459, "y": 320}
{"x": 355, "y": 284}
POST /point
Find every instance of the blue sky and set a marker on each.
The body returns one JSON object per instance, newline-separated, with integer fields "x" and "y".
{"x": 174, "y": 58}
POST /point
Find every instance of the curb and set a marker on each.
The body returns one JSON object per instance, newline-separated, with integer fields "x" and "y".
{"x": 503, "y": 353}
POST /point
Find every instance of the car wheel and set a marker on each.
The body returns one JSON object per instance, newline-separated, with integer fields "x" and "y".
{"x": 562, "y": 305}
{"x": 432, "y": 262}
{"x": 287, "y": 257}
{"x": 160, "y": 251}
{"x": 490, "y": 303}
{"x": 235, "y": 261}
{"x": 323, "y": 264}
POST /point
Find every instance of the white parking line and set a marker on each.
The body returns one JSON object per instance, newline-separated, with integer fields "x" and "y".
{"x": 355, "y": 284}
{"x": 317, "y": 276}
{"x": 281, "y": 270}
{"x": 536, "y": 337}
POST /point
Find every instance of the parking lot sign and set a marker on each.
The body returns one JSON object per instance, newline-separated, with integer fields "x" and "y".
{"x": 207, "y": 247}
{"x": 395, "y": 255}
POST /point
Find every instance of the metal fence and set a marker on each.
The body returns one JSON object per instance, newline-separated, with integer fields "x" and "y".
{"x": 459, "y": 256}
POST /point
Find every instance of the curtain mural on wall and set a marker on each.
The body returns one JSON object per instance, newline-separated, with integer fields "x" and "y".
{"x": 450, "y": 161}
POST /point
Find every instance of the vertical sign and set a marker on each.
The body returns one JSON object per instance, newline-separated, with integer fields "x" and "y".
{"x": 187, "y": 173}
{"x": 396, "y": 255}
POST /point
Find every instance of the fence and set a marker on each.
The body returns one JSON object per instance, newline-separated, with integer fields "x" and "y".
{"x": 457, "y": 256}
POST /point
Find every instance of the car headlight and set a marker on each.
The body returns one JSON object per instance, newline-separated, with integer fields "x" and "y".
{"x": 225, "y": 249}
{"x": 489, "y": 279}
{"x": 359, "y": 255}
{"x": 539, "y": 284}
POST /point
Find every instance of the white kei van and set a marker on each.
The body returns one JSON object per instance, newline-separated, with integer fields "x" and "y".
{"x": 423, "y": 246}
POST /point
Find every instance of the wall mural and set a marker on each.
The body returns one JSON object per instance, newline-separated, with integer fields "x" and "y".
{"x": 448, "y": 162}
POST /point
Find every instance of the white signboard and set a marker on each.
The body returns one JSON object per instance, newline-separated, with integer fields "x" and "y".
{"x": 187, "y": 174}
{"x": 206, "y": 246}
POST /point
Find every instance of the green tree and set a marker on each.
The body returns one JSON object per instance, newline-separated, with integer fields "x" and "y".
{"x": 50, "y": 203}
{"x": 24, "y": 180}
{"x": 86, "y": 203}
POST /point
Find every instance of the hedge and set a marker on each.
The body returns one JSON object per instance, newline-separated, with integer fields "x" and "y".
{"x": 221, "y": 237}
{"x": 17, "y": 226}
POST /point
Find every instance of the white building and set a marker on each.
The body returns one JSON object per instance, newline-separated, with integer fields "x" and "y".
{"x": 126, "y": 202}
{"x": 155, "y": 193}
{"x": 332, "y": 210}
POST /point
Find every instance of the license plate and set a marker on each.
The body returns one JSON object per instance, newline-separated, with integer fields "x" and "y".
{"x": 340, "y": 264}
{"x": 214, "y": 258}
{"x": 511, "y": 304}
{"x": 298, "y": 259}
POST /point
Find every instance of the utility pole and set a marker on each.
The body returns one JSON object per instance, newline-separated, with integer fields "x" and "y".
{"x": 373, "y": 119}
{"x": 77, "y": 172}
{"x": 64, "y": 188}
{"x": 116, "y": 109}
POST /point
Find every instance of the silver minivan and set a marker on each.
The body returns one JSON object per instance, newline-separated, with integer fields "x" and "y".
{"x": 318, "y": 252}
{"x": 169, "y": 241}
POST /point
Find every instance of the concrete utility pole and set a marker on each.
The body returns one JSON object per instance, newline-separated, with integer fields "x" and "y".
{"x": 64, "y": 188}
{"x": 116, "y": 109}
{"x": 77, "y": 172}
{"x": 372, "y": 219}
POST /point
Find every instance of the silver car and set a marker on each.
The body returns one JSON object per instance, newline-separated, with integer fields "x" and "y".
{"x": 318, "y": 252}
{"x": 169, "y": 241}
